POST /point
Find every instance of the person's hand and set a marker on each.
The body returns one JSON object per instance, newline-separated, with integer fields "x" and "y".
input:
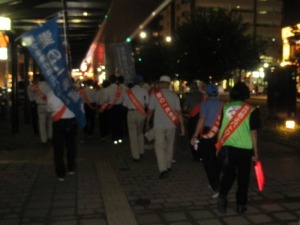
{"x": 255, "y": 158}
{"x": 147, "y": 128}
{"x": 193, "y": 140}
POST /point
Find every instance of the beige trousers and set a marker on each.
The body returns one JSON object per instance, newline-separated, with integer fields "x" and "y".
{"x": 164, "y": 147}
{"x": 135, "y": 122}
{"x": 45, "y": 123}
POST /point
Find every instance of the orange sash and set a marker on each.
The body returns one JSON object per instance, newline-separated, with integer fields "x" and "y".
{"x": 103, "y": 107}
{"x": 195, "y": 110}
{"x": 86, "y": 99}
{"x": 215, "y": 127}
{"x": 37, "y": 90}
{"x": 117, "y": 96}
{"x": 166, "y": 107}
{"x": 137, "y": 104}
{"x": 59, "y": 114}
{"x": 240, "y": 115}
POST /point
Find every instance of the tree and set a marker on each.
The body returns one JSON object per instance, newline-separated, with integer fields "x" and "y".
{"x": 213, "y": 44}
{"x": 153, "y": 60}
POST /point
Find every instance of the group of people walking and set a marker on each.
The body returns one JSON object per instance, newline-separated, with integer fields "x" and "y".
{"x": 226, "y": 135}
{"x": 222, "y": 135}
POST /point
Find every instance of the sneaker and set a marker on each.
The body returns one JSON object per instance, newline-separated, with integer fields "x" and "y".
{"x": 120, "y": 141}
{"x": 115, "y": 142}
{"x": 71, "y": 172}
{"x": 61, "y": 179}
{"x": 163, "y": 175}
{"x": 215, "y": 195}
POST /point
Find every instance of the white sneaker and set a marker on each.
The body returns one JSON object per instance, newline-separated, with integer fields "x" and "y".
{"x": 71, "y": 172}
{"x": 61, "y": 179}
{"x": 215, "y": 195}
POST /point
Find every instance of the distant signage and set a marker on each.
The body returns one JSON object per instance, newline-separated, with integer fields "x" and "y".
{"x": 45, "y": 45}
{"x": 124, "y": 63}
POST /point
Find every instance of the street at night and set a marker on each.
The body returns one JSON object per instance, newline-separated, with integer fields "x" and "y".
{"x": 109, "y": 188}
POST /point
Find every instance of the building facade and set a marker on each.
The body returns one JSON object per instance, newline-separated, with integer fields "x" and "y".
{"x": 263, "y": 16}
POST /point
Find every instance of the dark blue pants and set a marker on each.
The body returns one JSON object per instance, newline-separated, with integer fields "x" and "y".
{"x": 64, "y": 134}
{"x": 236, "y": 163}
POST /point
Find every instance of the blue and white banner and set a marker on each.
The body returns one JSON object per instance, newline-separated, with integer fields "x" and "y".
{"x": 124, "y": 62}
{"x": 45, "y": 45}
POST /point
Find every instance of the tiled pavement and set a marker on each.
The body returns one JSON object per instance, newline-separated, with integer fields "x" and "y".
{"x": 110, "y": 189}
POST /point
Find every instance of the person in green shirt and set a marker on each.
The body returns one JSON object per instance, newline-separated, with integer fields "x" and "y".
{"x": 239, "y": 149}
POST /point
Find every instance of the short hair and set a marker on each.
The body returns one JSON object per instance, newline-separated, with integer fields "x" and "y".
{"x": 239, "y": 92}
{"x": 112, "y": 78}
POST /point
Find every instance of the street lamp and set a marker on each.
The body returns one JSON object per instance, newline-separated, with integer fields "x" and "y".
{"x": 143, "y": 34}
{"x": 168, "y": 39}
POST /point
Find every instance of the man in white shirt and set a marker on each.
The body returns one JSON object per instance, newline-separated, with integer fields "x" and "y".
{"x": 89, "y": 96}
{"x": 167, "y": 114}
{"x": 136, "y": 100}
{"x": 114, "y": 96}
{"x": 40, "y": 90}
{"x": 64, "y": 134}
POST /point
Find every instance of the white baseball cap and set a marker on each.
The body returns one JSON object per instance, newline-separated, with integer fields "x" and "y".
{"x": 165, "y": 78}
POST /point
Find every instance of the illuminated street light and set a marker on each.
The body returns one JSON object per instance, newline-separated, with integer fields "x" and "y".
{"x": 168, "y": 39}
{"x": 143, "y": 35}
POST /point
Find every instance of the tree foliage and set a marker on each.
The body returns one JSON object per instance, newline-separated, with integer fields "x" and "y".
{"x": 214, "y": 44}
{"x": 154, "y": 59}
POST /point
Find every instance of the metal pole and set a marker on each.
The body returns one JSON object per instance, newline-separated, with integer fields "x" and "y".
{"x": 14, "y": 72}
{"x": 66, "y": 29}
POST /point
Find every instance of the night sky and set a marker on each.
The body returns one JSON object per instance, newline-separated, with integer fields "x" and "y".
{"x": 291, "y": 12}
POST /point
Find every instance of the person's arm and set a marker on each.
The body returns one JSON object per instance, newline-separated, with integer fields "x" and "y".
{"x": 148, "y": 118}
{"x": 181, "y": 123}
{"x": 255, "y": 147}
{"x": 197, "y": 130}
{"x": 255, "y": 124}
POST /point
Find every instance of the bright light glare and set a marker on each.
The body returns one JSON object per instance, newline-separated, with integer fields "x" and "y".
{"x": 143, "y": 34}
{"x": 290, "y": 124}
{"x": 5, "y": 23}
{"x": 3, "y": 53}
{"x": 168, "y": 39}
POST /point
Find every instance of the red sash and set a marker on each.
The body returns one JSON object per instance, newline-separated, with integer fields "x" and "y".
{"x": 215, "y": 127}
{"x": 166, "y": 107}
{"x": 86, "y": 99}
{"x": 59, "y": 114}
{"x": 137, "y": 104}
{"x": 117, "y": 96}
{"x": 37, "y": 90}
{"x": 195, "y": 110}
{"x": 240, "y": 115}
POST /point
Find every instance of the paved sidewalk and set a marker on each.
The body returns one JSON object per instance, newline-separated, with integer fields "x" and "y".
{"x": 110, "y": 189}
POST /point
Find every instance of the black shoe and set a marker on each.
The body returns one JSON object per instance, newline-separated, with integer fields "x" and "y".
{"x": 222, "y": 205}
{"x": 240, "y": 209}
{"x": 163, "y": 175}
{"x": 135, "y": 160}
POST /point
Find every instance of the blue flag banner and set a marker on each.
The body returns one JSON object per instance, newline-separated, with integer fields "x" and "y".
{"x": 45, "y": 45}
{"x": 124, "y": 62}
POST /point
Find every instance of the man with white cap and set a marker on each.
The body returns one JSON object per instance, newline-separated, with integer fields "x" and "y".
{"x": 165, "y": 105}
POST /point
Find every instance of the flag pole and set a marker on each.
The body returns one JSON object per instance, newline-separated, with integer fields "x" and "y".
{"x": 66, "y": 35}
